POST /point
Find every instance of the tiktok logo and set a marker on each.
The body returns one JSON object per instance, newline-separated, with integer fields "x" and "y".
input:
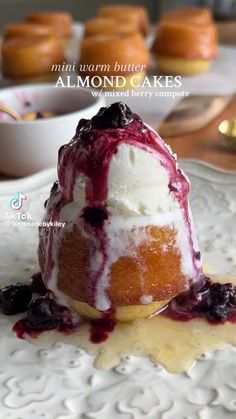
{"x": 16, "y": 202}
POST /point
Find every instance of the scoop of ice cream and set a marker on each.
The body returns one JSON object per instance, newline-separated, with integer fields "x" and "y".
{"x": 131, "y": 190}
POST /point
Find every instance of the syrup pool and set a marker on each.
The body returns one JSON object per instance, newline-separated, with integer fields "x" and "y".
{"x": 173, "y": 344}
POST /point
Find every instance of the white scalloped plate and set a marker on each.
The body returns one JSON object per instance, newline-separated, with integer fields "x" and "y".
{"x": 60, "y": 382}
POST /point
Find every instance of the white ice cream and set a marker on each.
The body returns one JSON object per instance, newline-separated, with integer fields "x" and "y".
{"x": 137, "y": 185}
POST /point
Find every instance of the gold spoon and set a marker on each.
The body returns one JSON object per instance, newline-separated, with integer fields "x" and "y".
{"x": 15, "y": 115}
{"x": 28, "y": 117}
{"x": 227, "y": 130}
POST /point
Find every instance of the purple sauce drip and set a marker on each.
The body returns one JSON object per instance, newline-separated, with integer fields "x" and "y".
{"x": 95, "y": 216}
{"x": 15, "y": 298}
{"x": 37, "y": 285}
{"x": 44, "y": 313}
{"x": 100, "y": 329}
{"x": 214, "y": 302}
{"x": 21, "y": 330}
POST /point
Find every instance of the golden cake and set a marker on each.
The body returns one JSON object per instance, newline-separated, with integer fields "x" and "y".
{"x": 137, "y": 13}
{"x": 115, "y": 55}
{"x": 60, "y": 22}
{"x": 186, "y": 42}
{"x": 24, "y": 59}
{"x": 24, "y": 30}
{"x": 196, "y": 16}
{"x": 108, "y": 26}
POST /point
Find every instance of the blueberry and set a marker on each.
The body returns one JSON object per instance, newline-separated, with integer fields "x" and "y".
{"x": 54, "y": 188}
{"x": 220, "y": 294}
{"x": 218, "y": 301}
{"x": 37, "y": 284}
{"x": 83, "y": 124}
{"x": 15, "y": 298}
{"x": 197, "y": 255}
{"x": 95, "y": 216}
{"x": 42, "y": 314}
{"x": 232, "y": 297}
{"x": 61, "y": 149}
{"x": 83, "y": 129}
{"x": 213, "y": 301}
{"x": 117, "y": 115}
{"x": 45, "y": 314}
{"x": 218, "y": 313}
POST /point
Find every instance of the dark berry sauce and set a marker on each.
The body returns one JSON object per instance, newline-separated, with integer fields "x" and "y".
{"x": 44, "y": 313}
{"x": 21, "y": 330}
{"x": 95, "y": 216}
{"x": 213, "y": 301}
{"x": 100, "y": 329}
{"x": 37, "y": 285}
{"x": 117, "y": 115}
{"x": 15, "y": 299}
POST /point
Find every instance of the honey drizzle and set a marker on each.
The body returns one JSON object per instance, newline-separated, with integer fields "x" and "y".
{"x": 173, "y": 344}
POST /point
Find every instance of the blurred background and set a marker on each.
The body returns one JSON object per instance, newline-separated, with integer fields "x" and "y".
{"x": 190, "y": 123}
{"x": 15, "y": 10}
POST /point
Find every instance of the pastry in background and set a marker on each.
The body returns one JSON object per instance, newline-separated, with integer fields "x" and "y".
{"x": 193, "y": 15}
{"x": 33, "y": 116}
{"x": 22, "y": 30}
{"x": 60, "y": 22}
{"x": 129, "y": 244}
{"x": 108, "y": 26}
{"x": 30, "y": 59}
{"x": 138, "y": 13}
{"x": 115, "y": 55}
{"x": 186, "y": 41}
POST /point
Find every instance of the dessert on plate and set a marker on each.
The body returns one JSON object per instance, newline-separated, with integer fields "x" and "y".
{"x": 107, "y": 26}
{"x": 30, "y": 59}
{"x": 120, "y": 265}
{"x": 137, "y": 13}
{"x": 113, "y": 55}
{"x": 23, "y": 30}
{"x": 130, "y": 246}
{"x": 60, "y": 22}
{"x": 186, "y": 41}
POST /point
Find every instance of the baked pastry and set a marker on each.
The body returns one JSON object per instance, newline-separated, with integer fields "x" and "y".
{"x": 108, "y": 26}
{"x": 31, "y": 59}
{"x": 138, "y": 13}
{"x": 186, "y": 42}
{"x": 114, "y": 55}
{"x": 60, "y": 22}
{"x": 22, "y": 30}
{"x": 128, "y": 246}
{"x": 196, "y": 16}
{"x": 32, "y": 116}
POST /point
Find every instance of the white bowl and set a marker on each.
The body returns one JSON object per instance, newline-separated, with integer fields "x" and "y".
{"x": 28, "y": 147}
